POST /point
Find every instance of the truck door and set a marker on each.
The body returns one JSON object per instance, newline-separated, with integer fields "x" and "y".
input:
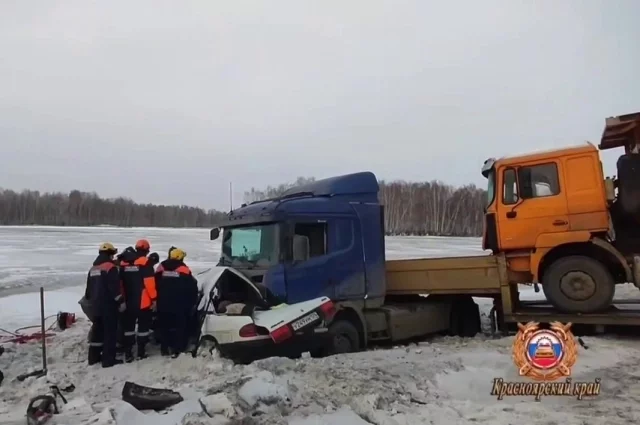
{"x": 521, "y": 221}
{"x": 334, "y": 267}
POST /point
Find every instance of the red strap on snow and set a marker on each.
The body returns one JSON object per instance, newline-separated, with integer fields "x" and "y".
{"x": 21, "y": 339}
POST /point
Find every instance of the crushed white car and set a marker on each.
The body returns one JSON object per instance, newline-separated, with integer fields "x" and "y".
{"x": 241, "y": 324}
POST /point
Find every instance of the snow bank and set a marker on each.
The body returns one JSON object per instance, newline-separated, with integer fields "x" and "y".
{"x": 344, "y": 416}
{"x": 439, "y": 381}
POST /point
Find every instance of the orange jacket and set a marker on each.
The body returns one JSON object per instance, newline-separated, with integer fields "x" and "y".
{"x": 139, "y": 282}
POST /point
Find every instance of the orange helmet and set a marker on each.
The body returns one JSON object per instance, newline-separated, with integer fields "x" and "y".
{"x": 143, "y": 245}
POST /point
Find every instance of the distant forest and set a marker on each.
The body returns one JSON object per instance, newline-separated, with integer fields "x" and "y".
{"x": 415, "y": 208}
{"x": 424, "y": 208}
{"x": 88, "y": 209}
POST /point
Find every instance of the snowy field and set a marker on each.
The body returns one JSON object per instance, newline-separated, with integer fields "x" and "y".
{"x": 58, "y": 259}
{"x": 437, "y": 381}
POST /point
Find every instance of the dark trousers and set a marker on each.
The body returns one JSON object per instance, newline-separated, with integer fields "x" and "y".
{"x": 102, "y": 344}
{"x": 173, "y": 331}
{"x": 143, "y": 319}
{"x": 120, "y": 344}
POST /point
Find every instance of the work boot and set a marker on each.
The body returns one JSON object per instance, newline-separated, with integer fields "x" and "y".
{"x": 111, "y": 364}
{"x": 142, "y": 353}
{"x": 175, "y": 355}
{"x": 95, "y": 356}
{"x": 128, "y": 356}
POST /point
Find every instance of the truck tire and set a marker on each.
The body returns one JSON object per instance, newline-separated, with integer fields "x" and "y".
{"x": 464, "y": 320}
{"x": 578, "y": 284}
{"x": 471, "y": 320}
{"x": 343, "y": 338}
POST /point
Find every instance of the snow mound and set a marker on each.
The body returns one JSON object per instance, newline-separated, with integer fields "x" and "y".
{"x": 264, "y": 388}
{"x": 344, "y": 416}
{"x": 441, "y": 380}
{"x": 217, "y": 404}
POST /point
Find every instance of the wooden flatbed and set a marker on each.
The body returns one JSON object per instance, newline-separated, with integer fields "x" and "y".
{"x": 487, "y": 276}
{"x": 451, "y": 275}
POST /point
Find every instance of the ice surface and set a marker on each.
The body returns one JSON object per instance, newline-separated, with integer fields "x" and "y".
{"x": 56, "y": 257}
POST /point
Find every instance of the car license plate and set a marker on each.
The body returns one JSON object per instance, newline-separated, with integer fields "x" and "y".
{"x": 301, "y": 323}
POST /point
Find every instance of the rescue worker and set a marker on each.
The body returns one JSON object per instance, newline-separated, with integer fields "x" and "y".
{"x": 154, "y": 259}
{"x": 177, "y": 294}
{"x": 104, "y": 290}
{"x": 120, "y": 346}
{"x": 140, "y": 293}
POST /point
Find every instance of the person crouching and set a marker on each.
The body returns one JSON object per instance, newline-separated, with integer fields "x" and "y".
{"x": 177, "y": 294}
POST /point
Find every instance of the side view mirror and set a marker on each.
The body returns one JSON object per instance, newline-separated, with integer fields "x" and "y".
{"x": 300, "y": 248}
{"x": 214, "y": 234}
{"x": 525, "y": 188}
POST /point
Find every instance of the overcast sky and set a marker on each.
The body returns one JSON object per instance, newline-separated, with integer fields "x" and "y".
{"x": 168, "y": 101}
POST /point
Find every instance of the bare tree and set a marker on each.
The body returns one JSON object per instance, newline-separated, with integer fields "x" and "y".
{"x": 416, "y": 208}
{"x": 411, "y": 208}
{"x": 270, "y": 192}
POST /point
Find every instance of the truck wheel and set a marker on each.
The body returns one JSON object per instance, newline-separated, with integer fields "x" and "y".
{"x": 471, "y": 320}
{"x": 343, "y": 338}
{"x": 464, "y": 320}
{"x": 578, "y": 284}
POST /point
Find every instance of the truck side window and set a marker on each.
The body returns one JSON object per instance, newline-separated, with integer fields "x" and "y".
{"x": 543, "y": 180}
{"x": 317, "y": 234}
{"x": 509, "y": 187}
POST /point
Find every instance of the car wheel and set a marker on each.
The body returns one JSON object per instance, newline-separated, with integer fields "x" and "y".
{"x": 207, "y": 346}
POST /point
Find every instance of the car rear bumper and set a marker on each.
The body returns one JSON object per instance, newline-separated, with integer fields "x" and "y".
{"x": 248, "y": 351}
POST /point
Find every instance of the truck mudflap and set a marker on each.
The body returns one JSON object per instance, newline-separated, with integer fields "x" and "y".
{"x": 453, "y": 275}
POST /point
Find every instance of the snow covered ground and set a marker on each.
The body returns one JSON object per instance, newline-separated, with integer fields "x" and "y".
{"x": 438, "y": 381}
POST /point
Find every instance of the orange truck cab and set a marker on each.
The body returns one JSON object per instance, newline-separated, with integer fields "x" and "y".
{"x": 561, "y": 224}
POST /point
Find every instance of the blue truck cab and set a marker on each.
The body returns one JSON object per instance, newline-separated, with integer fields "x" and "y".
{"x": 325, "y": 238}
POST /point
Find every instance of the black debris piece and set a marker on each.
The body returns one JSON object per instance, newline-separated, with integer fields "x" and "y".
{"x": 146, "y": 398}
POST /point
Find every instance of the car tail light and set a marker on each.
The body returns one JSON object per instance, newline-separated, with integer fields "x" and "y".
{"x": 248, "y": 331}
{"x": 281, "y": 334}
{"x": 328, "y": 309}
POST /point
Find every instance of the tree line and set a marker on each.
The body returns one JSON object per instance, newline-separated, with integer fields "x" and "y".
{"x": 414, "y": 208}
{"x": 88, "y": 209}
{"x": 411, "y": 208}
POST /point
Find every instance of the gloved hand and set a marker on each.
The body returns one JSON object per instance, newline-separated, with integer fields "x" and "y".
{"x": 122, "y": 307}
{"x": 154, "y": 306}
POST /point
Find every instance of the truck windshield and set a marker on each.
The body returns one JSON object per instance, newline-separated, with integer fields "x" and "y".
{"x": 491, "y": 187}
{"x": 250, "y": 246}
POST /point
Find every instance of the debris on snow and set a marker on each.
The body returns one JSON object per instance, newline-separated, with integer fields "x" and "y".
{"x": 444, "y": 380}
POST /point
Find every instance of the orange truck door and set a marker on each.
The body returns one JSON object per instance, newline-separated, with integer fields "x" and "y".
{"x": 521, "y": 221}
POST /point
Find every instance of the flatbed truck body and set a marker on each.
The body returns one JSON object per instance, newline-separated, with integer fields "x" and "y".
{"x": 488, "y": 276}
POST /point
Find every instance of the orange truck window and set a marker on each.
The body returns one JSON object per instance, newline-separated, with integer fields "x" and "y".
{"x": 509, "y": 187}
{"x": 540, "y": 180}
